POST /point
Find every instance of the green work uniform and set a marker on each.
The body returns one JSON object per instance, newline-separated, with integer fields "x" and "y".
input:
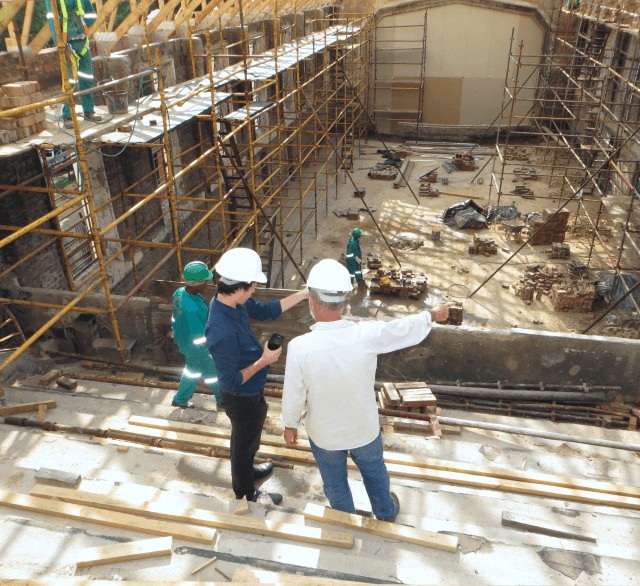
{"x": 354, "y": 258}
{"x": 188, "y": 322}
{"x": 78, "y": 41}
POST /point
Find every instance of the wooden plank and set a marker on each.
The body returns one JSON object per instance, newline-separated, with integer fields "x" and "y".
{"x": 243, "y": 507}
{"x": 545, "y": 527}
{"x": 123, "y": 552}
{"x": 381, "y": 528}
{"x": 42, "y": 412}
{"x": 26, "y": 407}
{"x": 390, "y": 392}
{"x": 9, "y": 11}
{"x": 58, "y": 477}
{"x": 203, "y": 566}
{"x": 207, "y": 430}
{"x": 101, "y": 517}
{"x": 411, "y": 385}
{"x": 430, "y": 469}
{"x": 176, "y": 511}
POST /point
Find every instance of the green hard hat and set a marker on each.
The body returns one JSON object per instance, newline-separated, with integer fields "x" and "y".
{"x": 196, "y": 271}
{"x": 357, "y": 232}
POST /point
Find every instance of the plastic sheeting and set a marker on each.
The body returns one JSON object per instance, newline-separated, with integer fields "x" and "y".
{"x": 503, "y": 212}
{"x": 464, "y": 214}
{"x": 610, "y": 287}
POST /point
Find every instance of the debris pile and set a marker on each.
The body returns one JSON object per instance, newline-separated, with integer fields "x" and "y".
{"x": 536, "y": 281}
{"x": 486, "y": 246}
{"x": 559, "y": 250}
{"x": 403, "y": 284}
{"x": 464, "y": 161}
{"x": 525, "y": 174}
{"x": 523, "y": 191}
{"x": 572, "y": 296}
{"x": 388, "y": 169}
{"x": 455, "y": 314}
{"x": 407, "y": 241}
{"x": 516, "y": 154}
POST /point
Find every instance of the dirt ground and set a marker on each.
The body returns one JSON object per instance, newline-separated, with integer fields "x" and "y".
{"x": 448, "y": 262}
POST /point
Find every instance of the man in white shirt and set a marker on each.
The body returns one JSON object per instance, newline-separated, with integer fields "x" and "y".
{"x": 331, "y": 371}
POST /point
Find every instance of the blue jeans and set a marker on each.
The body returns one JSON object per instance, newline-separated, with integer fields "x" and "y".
{"x": 369, "y": 459}
{"x": 198, "y": 365}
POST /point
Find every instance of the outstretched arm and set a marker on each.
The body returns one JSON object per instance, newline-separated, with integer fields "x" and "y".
{"x": 291, "y": 300}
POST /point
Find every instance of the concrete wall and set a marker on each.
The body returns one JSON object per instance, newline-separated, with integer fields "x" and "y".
{"x": 467, "y": 47}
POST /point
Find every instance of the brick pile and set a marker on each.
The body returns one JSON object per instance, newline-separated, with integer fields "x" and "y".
{"x": 554, "y": 231}
{"x": 559, "y": 250}
{"x": 373, "y": 260}
{"x": 15, "y": 95}
{"x": 464, "y": 161}
{"x": 455, "y": 314}
{"x": 573, "y": 296}
{"x": 484, "y": 246}
{"x": 536, "y": 281}
{"x": 390, "y": 282}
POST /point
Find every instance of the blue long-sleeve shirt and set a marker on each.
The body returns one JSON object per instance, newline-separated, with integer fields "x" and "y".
{"x": 233, "y": 345}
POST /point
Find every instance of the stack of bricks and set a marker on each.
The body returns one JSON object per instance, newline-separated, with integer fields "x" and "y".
{"x": 554, "y": 231}
{"x": 484, "y": 246}
{"x": 536, "y": 281}
{"x": 576, "y": 297}
{"x": 560, "y": 250}
{"x": 15, "y": 95}
{"x": 405, "y": 284}
{"x": 373, "y": 260}
{"x": 455, "y": 314}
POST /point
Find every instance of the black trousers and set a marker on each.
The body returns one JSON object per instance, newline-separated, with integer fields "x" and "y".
{"x": 247, "y": 415}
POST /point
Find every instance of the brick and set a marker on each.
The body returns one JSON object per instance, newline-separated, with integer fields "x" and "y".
{"x": 25, "y": 121}
{"x": 41, "y": 126}
{"x": 22, "y": 133}
{"x": 8, "y": 124}
{"x": 48, "y": 378}
{"x": 9, "y": 102}
{"x": 36, "y": 97}
{"x": 20, "y": 88}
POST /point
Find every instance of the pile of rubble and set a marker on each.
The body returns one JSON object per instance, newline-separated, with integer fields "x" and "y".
{"x": 486, "y": 246}
{"x": 15, "y": 95}
{"x": 403, "y": 284}
{"x": 536, "y": 281}
{"x": 574, "y": 296}
{"x": 559, "y": 250}
{"x": 455, "y": 314}
{"x": 516, "y": 154}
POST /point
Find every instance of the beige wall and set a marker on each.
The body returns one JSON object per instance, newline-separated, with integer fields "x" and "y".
{"x": 466, "y": 58}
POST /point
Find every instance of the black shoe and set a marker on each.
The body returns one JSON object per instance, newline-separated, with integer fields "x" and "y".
{"x": 275, "y": 497}
{"x": 394, "y": 496}
{"x": 189, "y": 405}
{"x": 262, "y": 470}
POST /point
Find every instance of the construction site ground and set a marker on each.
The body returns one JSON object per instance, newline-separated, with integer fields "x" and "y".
{"x": 447, "y": 261}
{"x": 34, "y": 545}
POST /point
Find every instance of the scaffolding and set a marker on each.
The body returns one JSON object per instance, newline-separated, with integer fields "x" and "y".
{"x": 271, "y": 128}
{"x": 577, "y": 106}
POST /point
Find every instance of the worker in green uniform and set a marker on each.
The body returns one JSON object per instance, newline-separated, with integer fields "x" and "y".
{"x": 188, "y": 322}
{"x": 574, "y": 4}
{"x": 76, "y": 17}
{"x": 354, "y": 257}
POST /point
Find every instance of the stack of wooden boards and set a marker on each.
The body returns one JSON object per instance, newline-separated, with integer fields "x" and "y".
{"x": 408, "y": 465}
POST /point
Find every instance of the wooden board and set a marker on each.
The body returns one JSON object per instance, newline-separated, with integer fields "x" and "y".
{"x": 545, "y": 527}
{"x": 381, "y": 528}
{"x": 123, "y": 552}
{"x": 101, "y": 517}
{"x": 175, "y": 511}
{"x": 433, "y": 469}
{"x": 410, "y": 385}
{"x": 243, "y": 507}
{"x": 207, "y": 430}
{"x": 26, "y": 407}
{"x": 391, "y": 394}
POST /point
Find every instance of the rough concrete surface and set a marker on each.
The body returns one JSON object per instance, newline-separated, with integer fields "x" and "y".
{"x": 33, "y": 545}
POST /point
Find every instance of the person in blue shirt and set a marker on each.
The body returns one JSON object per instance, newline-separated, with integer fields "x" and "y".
{"x": 76, "y": 17}
{"x": 188, "y": 322}
{"x": 241, "y": 362}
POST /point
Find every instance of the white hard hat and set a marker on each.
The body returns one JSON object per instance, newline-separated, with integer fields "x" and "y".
{"x": 331, "y": 279}
{"x": 240, "y": 265}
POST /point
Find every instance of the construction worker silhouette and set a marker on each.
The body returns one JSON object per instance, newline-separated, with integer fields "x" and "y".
{"x": 76, "y": 18}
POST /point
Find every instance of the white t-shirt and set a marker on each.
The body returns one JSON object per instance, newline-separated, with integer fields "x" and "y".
{"x": 332, "y": 371}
